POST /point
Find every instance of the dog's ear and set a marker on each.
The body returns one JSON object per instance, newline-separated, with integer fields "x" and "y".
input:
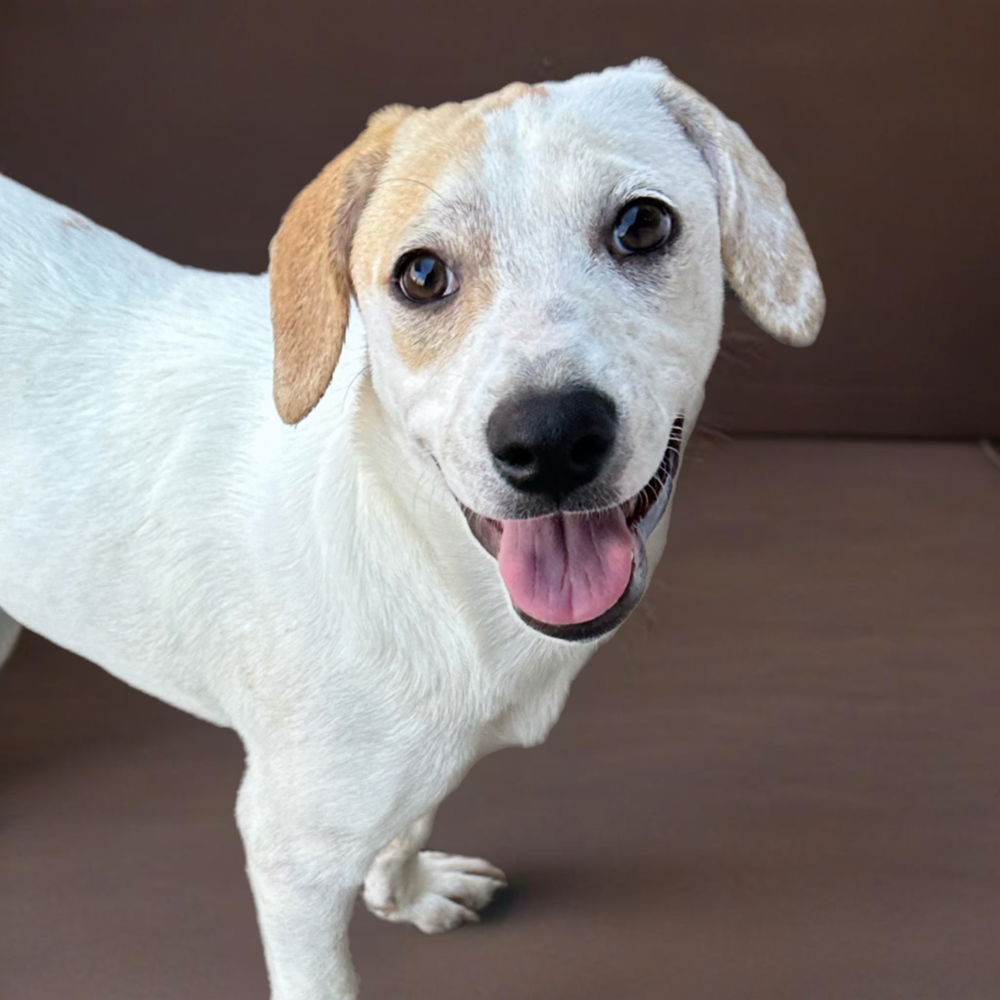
{"x": 766, "y": 258}
{"x": 310, "y": 267}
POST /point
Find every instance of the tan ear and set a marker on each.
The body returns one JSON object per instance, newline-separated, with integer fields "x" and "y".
{"x": 310, "y": 267}
{"x": 766, "y": 258}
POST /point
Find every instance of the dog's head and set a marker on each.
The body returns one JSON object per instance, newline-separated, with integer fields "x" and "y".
{"x": 540, "y": 273}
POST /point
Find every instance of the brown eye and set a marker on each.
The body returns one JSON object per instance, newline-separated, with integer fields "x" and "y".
{"x": 642, "y": 226}
{"x": 422, "y": 276}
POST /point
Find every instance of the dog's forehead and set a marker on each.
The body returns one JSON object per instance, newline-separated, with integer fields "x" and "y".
{"x": 497, "y": 149}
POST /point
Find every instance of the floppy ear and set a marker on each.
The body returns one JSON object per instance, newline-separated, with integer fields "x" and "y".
{"x": 766, "y": 258}
{"x": 310, "y": 267}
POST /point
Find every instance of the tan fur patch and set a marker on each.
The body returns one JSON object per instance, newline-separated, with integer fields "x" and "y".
{"x": 509, "y": 95}
{"x": 432, "y": 334}
{"x": 432, "y": 144}
{"x": 433, "y": 141}
{"x": 310, "y": 276}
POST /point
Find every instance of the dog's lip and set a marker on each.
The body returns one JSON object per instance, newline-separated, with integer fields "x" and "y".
{"x": 643, "y": 512}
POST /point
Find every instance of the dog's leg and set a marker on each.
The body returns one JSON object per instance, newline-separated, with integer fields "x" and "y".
{"x": 435, "y": 892}
{"x": 305, "y": 881}
{"x": 9, "y": 631}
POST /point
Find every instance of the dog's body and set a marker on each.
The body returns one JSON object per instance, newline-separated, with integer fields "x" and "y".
{"x": 317, "y": 587}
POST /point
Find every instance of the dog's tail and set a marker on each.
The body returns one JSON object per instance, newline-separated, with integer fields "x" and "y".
{"x": 9, "y": 631}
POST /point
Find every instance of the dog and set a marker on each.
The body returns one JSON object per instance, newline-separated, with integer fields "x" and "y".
{"x": 486, "y": 329}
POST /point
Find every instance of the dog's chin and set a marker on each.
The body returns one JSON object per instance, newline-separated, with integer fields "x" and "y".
{"x": 641, "y": 512}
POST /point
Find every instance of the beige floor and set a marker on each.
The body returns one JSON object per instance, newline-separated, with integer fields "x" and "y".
{"x": 781, "y": 781}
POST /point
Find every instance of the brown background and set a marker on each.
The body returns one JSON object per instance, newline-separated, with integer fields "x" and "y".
{"x": 780, "y": 782}
{"x": 189, "y": 126}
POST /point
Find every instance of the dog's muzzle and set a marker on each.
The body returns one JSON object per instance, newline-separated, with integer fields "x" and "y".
{"x": 578, "y": 575}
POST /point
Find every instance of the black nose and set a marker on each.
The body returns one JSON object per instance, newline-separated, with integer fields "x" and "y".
{"x": 552, "y": 442}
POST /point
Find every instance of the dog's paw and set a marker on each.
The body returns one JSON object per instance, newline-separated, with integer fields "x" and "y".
{"x": 433, "y": 891}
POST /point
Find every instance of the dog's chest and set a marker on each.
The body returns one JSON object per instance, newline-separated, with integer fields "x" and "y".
{"x": 528, "y": 695}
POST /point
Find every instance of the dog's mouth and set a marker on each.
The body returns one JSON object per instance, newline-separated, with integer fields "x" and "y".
{"x": 578, "y": 575}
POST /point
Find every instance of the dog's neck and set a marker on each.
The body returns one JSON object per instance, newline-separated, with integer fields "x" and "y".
{"x": 349, "y": 454}
{"x": 441, "y": 585}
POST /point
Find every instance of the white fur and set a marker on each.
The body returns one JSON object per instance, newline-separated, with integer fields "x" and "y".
{"x": 316, "y": 587}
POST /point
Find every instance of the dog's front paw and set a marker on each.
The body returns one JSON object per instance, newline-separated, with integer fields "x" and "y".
{"x": 433, "y": 891}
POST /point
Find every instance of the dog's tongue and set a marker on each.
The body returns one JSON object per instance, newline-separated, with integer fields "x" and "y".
{"x": 566, "y": 568}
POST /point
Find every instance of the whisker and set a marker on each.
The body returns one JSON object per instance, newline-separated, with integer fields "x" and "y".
{"x": 412, "y": 180}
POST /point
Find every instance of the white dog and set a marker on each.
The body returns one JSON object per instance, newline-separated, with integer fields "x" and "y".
{"x": 489, "y": 324}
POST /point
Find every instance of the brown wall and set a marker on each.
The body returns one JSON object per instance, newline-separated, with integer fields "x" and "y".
{"x": 189, "y": 126}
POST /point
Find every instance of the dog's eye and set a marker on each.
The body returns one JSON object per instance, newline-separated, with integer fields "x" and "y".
{"x": 422, "y": 276}
{"x": 642, "y": 226}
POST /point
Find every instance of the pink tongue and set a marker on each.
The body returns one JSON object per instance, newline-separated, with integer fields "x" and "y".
{"x": 566, "y": 568}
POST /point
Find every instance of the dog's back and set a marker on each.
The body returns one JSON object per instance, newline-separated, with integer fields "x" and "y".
{"x": 73, "y": 292}
{"x": 128, "y": 387}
